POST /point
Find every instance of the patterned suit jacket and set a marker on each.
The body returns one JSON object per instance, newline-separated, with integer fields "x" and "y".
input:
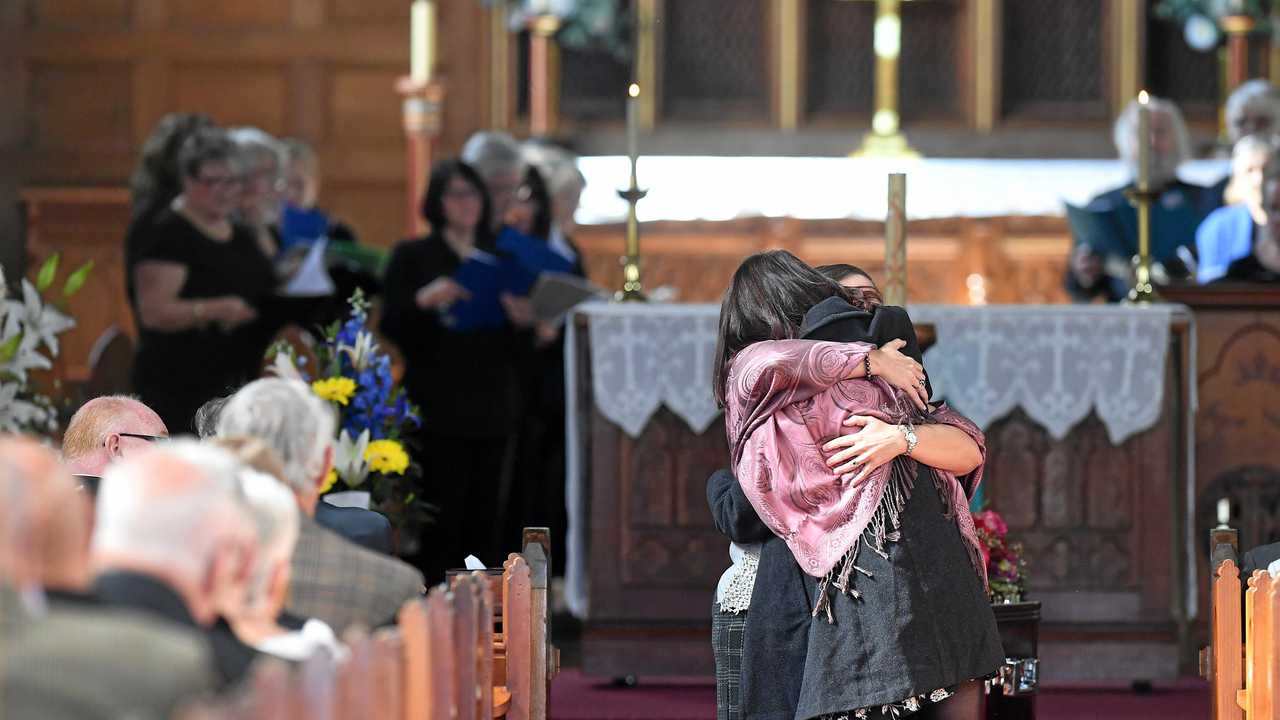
{"x": 343, "y": 584}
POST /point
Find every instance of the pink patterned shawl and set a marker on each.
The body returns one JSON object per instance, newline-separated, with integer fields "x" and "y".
{"x": 784, "y": 400}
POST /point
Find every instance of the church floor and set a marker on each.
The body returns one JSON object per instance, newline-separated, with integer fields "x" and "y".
{"x": 577, "y": 697}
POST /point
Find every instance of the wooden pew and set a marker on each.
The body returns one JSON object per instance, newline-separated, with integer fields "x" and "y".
{"x": 1242, "y": 665}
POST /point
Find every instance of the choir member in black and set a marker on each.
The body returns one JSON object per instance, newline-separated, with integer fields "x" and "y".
{"x": 464, "y": 382}
{"x": 203, "y": 289}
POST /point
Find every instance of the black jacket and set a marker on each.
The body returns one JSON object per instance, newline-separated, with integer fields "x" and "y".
{"x": 776, "y": 639}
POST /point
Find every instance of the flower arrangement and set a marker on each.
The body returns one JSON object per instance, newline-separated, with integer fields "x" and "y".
{"x": 29, "y": 330}
{"x": 374, "y": 416}
{"x": 1006, "y": 562}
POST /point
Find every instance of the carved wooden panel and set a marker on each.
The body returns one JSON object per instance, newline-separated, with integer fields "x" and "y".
{"x": 840, "y": 67}
{"x": 1017, "y": 260}
{"x": 715, "y": 60}
{"x": 81, "y": 13}
{"x": 360, "y": 110}
{"x": 229, "y": 13}
{"x": 1053, "y": 59}
{"x": 80, "y": 105}
{"x": 256, "y": 95}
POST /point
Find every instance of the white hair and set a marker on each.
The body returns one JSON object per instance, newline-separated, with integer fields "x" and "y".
{"x": 289, "y": 419}
{"x": 275, "y": 518}
{"x": 255, "y": 145}
{"x": 492, "y": 153}
{"x": 1125, "y": 132}
{"x": 1254, "y": 93}
{"x": 559, "y": 167}
{"x": 170, "y": 507}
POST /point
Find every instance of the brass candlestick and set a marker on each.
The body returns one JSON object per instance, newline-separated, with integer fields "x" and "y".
{"x": 886, "y": 138}
{"x": 1143, "y": 292}
{"x": 632, "y": 290}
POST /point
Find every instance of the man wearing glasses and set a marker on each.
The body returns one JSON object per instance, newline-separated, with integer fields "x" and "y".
{"x": 105, "y": 429}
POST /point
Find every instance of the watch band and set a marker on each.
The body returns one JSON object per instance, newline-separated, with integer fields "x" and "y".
{"x": 912, "y": 439}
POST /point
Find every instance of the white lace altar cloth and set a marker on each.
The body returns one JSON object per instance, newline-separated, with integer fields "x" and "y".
{"x": 1057, "y": 363}
{"x": 821, "y": 188}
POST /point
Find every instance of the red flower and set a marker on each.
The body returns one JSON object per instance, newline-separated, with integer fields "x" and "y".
{"x": 991, "y": 521}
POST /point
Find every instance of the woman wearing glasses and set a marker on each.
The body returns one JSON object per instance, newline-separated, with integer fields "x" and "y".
{"x": 201, "y": 282}
{"x": 442, "y": 308}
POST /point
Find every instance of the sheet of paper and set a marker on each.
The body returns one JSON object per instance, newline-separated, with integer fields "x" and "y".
{"x": 312, "y": 277}
{"x": 556, "y": 293}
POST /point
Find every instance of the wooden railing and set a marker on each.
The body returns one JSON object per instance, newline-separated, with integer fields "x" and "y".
{"x": 451, "y": 657}
{"x": 1242, "y": 664}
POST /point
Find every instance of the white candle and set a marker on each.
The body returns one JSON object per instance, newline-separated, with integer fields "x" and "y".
{"x": 633, "y": 124}
{"x": 422, "y": 31}
{"x": 1224, "y": 511}
{"x": 1144, "y": 142}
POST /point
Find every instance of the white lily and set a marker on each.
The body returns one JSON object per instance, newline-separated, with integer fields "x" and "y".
{"x": 18, "y": 415}
{"x": 28, "y": 357}
{"x": 283, "y": 367}
{"x": 41, "y": 321}
{"x": 364, "y": 349}
{"x": 348, "y": 458}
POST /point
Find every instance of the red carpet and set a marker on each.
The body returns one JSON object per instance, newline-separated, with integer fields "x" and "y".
{"x": 576, "y": 697}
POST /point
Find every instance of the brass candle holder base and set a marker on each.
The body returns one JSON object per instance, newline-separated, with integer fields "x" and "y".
{"x": 632, "y": 289}
{"x": 894, "y": 145}
{"x": 1143, "y": 291}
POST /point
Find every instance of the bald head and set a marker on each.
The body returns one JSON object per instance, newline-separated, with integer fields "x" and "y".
{"x": 55, "y": 516}
{"x": 108, "y": 428}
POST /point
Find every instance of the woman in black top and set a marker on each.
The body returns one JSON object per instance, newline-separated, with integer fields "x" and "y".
{"x": 464, "y": 382}
{"x": 202, "y": 290}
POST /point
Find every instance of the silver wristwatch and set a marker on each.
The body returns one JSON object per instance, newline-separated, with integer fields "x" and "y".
{"x": 912, "y": 440}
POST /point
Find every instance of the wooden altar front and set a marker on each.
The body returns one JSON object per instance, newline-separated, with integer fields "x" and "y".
{"x": 1103, "y": 526}
{"x": 1237, "y": 456}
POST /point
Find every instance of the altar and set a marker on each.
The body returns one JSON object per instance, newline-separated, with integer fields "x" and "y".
{"x": 1087, "y": 412}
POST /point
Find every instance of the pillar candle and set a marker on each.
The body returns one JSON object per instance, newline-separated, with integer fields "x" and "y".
{"x": 1144, "y": 142}
{"x": 422, "y": 31}
{"x": 895, "y": 242}
{"x": 633, "y": 125}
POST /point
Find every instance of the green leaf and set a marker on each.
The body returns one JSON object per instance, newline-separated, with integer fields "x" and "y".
{"x": 75, "y": 280}
{"x": 45, "y": 277}
{"x": 10, "y": 348}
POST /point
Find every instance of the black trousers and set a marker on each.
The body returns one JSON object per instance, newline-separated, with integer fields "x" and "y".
{"x": 461, "y": 477}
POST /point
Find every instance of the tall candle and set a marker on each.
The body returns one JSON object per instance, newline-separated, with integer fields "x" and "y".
{"x": 422, "y": 31}
{"x": 1144, "y": 142}
{"x": 895, "y": 242}
{"x": 633, "y": 125}
{"x": 1224, "y": 511}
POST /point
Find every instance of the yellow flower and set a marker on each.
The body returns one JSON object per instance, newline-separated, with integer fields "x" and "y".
{"x": 329, "y": 481}
{"x": 387, "y": 456}
{"x": 335, "y": 389}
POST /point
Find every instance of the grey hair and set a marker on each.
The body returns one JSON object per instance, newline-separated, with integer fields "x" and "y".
{"x": 275, "y": 520}
{"x": 299, "y": 151}
{"x": 288, "y": 418}
{"x": 492, "y": 153}
{"x": 204, "y": 146}
{"x": 558, "y": 166}
{"x": 1125, "y": 130}
{"x": 206, "y": 418}
{"x": 256, "y": 145}
{"x": 1250, "y": 93}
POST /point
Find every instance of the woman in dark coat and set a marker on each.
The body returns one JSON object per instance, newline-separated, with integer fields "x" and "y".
{"x": 920, "y": 633}
{"x": 459, "y": 369}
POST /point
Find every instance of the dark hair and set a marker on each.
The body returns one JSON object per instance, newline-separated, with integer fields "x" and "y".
{"x": 840, "y": 271}
{"x": 537, "y": 189}
{"x": 156, "y": 181}
{"x": 206, "y": 145}
{"x": 766, "y": 300}
{"x": 433, "y": 198}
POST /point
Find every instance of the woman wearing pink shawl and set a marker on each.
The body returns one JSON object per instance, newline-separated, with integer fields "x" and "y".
{"x": 878, "y": 521}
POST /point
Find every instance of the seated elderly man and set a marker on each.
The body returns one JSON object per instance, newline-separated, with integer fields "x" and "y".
{"x": 58, "y": 521}
{"x": 1106, "y": 230}
{"x": 65, "y": 660}
{"x": 173, "y": 540}
{"x": 263, "y": 622}
{"x": 332, "y": 579}
{"x": 104, "y": 430}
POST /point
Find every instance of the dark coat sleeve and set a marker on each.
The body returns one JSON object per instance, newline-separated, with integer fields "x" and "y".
{"x": 732, "y": 512}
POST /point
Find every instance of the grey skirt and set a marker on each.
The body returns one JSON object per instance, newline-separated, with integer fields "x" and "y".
{"x": 727, "y": 633}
